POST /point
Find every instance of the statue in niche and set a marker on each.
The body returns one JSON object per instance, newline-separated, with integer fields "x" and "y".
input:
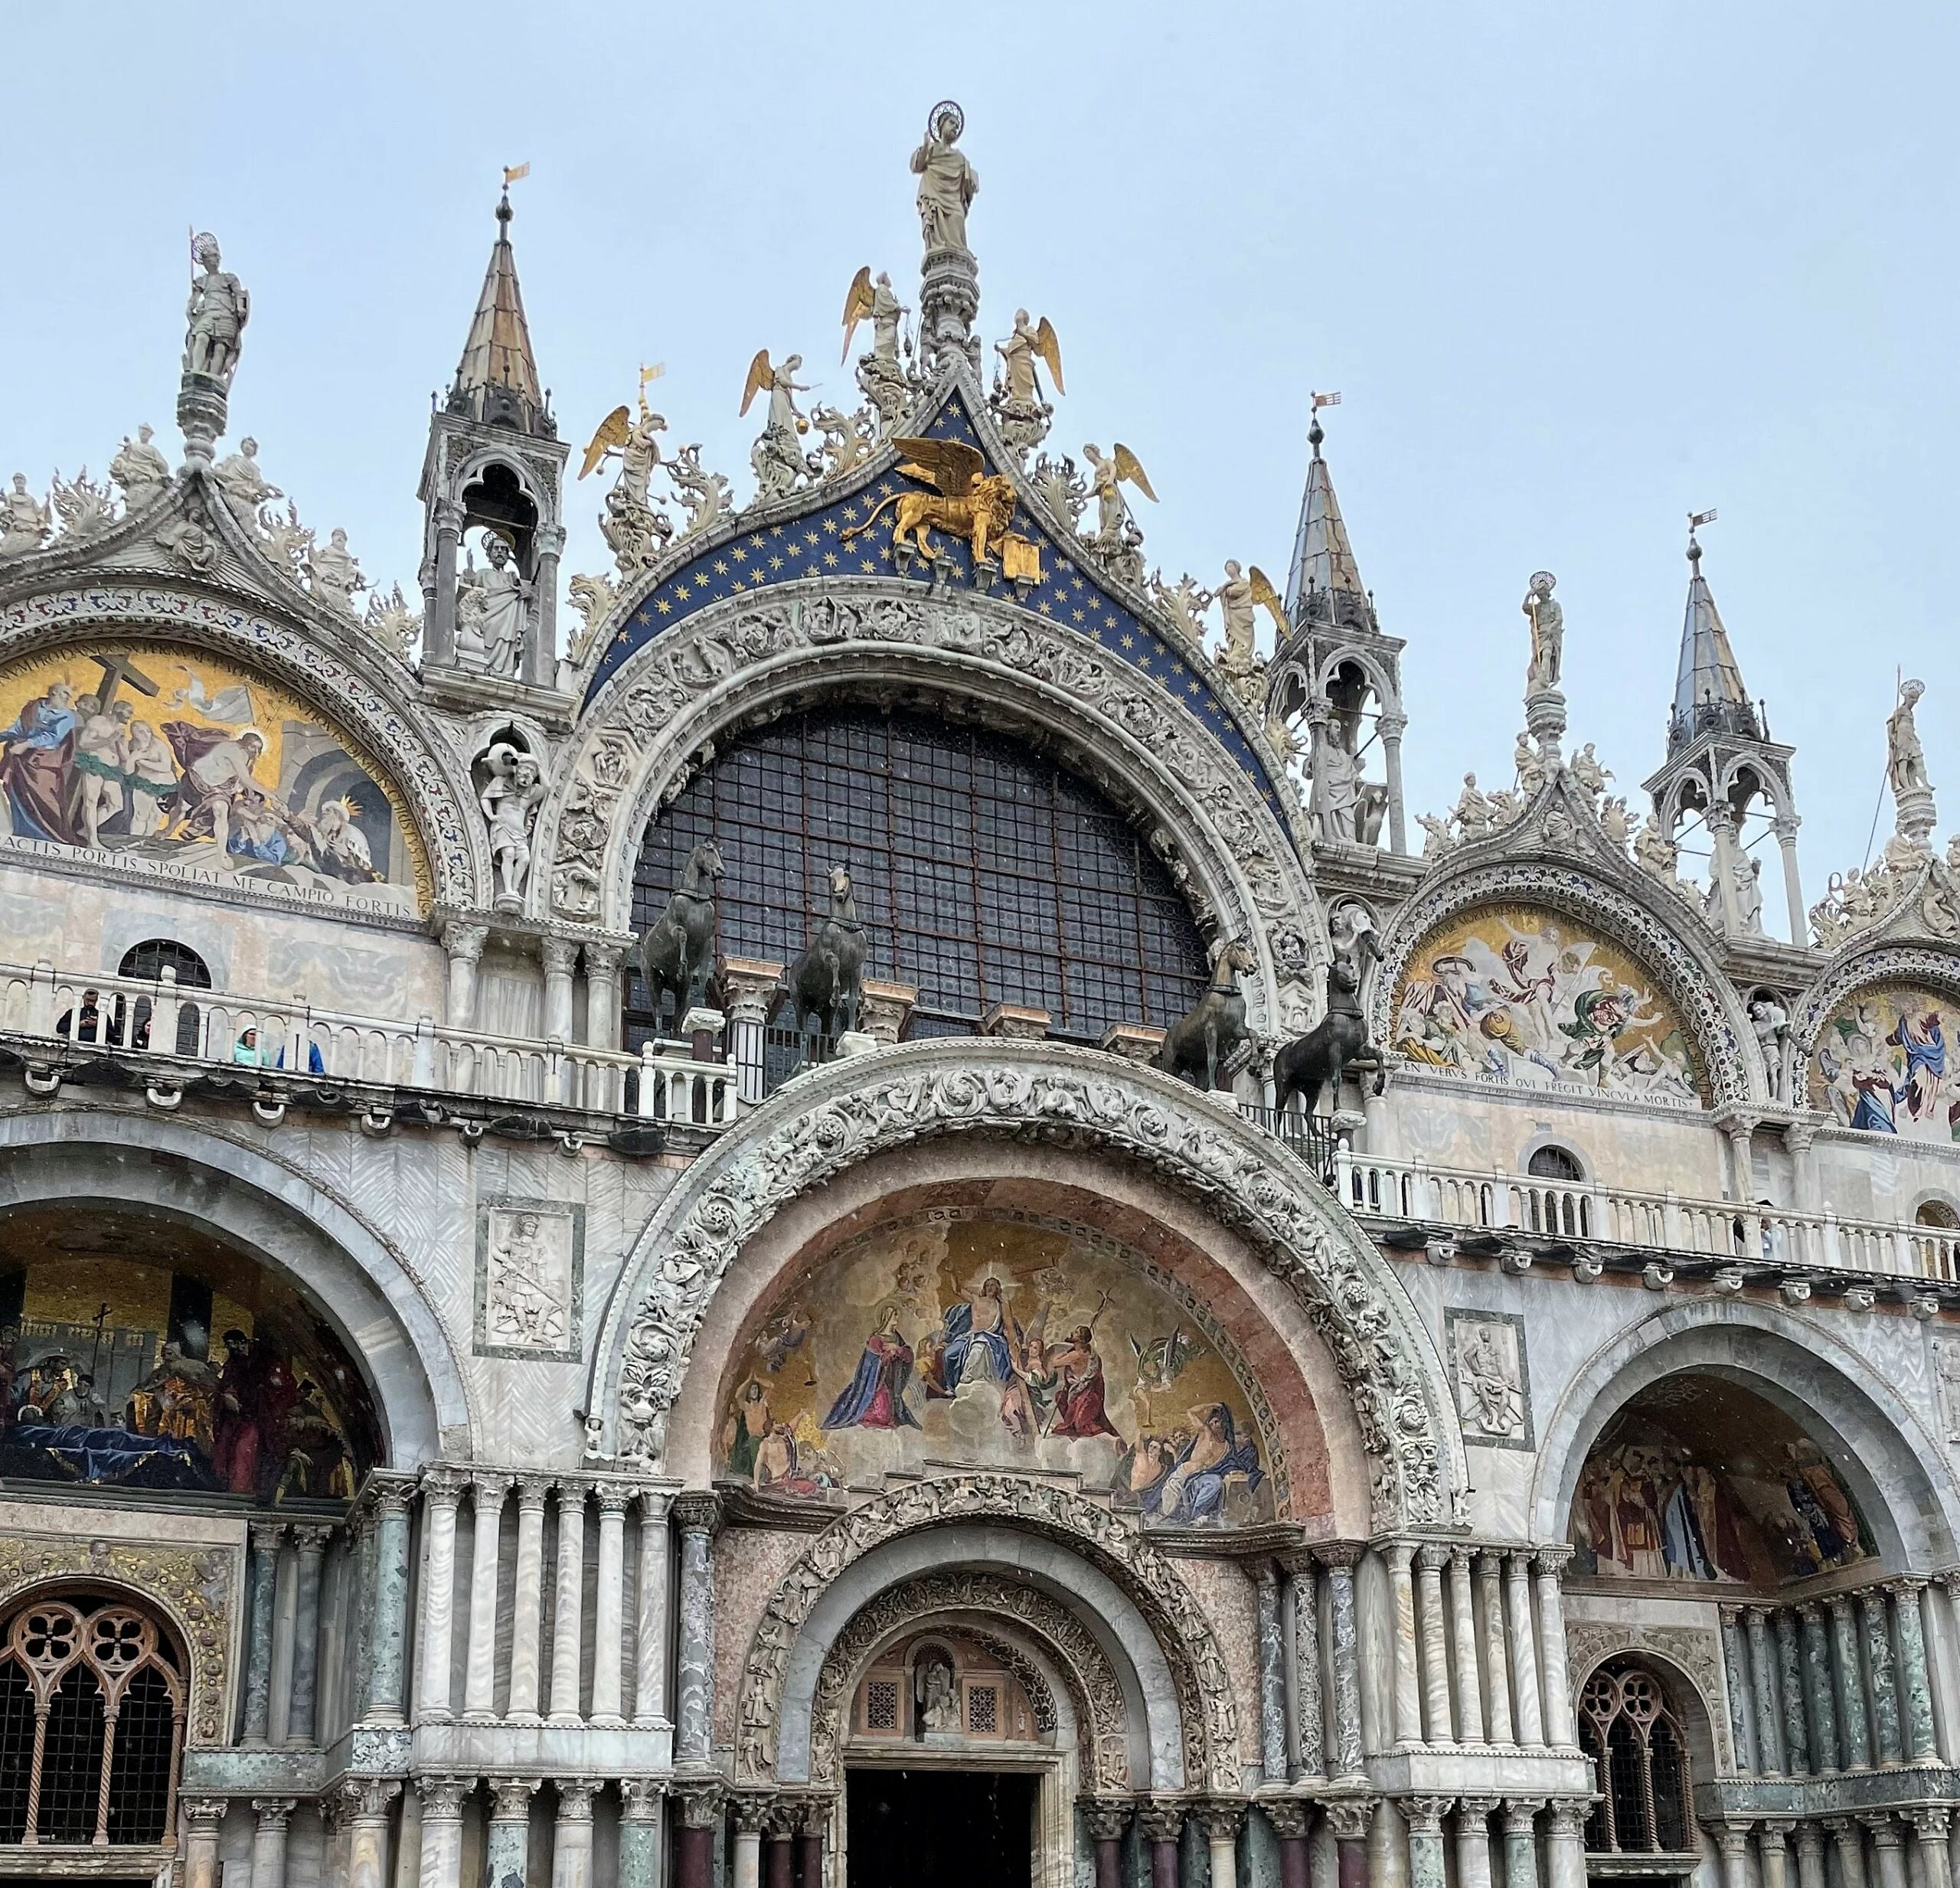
{"x": 948, "y": 183}
{"x": 1547, "y": 621}
{"x": 216, "y": 317}
{"x": 1770, "y": 1022}
{"x": 25, "y": 523}
{"x": 140, "y": 470}
{"x": 490, "y": 607}
{"x": 1337, "y": 785}
{"x": 934, "y": 1695}
{"x": 509, "y": 801}
{"x": 1904, "y": 758}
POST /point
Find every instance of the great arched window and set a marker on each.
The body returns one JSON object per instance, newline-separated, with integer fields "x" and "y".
{"x": 92, "y": 1704}
{"x": 984, "y": 873}
{"x": 148, "y": 961}
{"x": 1628, "y": 1727}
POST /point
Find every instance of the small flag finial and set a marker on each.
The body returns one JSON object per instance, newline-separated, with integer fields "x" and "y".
{"x": 514, "y": 171}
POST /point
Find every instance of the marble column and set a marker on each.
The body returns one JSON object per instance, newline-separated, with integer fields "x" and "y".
{"x": 639, "y": 1834}
{"x": 1888, "y": 1843}
{"x": 1431, "y": 1557}
{"x": 568, "y": 1606}
{"x": 1222, "y": 1822}
{"x": 1309, "y": 1715}
{"x": 1772, "y": 1851}
{"x": 1105, "y": 1821}
{"x": 1915, "y": 1677}
{"x": 1339, "y": 1559}
{"x": 608, "y": 1608}
{"x": 441, "y": 1830}
{"x": 439, "y": 589}
{"x": 1735, "y": 1671}
{"x": 387, "y": 1651}
{"x": 442, "y": 1490}
{"x": 1561, "y": 1729}
{"x": 309, "y": 1547}
{"x": 507, "y": 1851}
{"x": 364, "y": 1807}
{"x": 698, "y": 1515}
{"x": 487, "y": 1496}
{"x": 1391, "y": 727}
{"x": 1817, "y": 1688}
{"x": 602, "y": 964}
{"x": 1289, "y": 1817}
{"x": 1162, "y": 1824}
{"x": 1348, "y": 1818}
{"x": 779, "y": 1871}
{"x": 571, "y": 1834}
{"x": 1931, "y": 1825}
{"x": 1850, "y": 1684}
{"x": 1847, "y": 1833}
{"x": 1272, "y": 1678}
{"x": 1490, "y": 1619}
{"x": 1878, "y": 1665}
{"x": 1810, "y": 1870}
{"x": 1790, "y": 1685}
{"x": 1473, "y": 1841}
{"x": 267, "y": 1538}
{"x": 1524, "y": 1648}
{"x": 271, "y": 1814}
{"x": 751, "y": 1818}
{"x": 1424, "y": 1815}
{"x": 203, "y": 1814}
{"x": 814, "y": 1818}
{"x": 462, "y": 944}
{"x": 1566, "y": 1847}
{"x": 1762, "y": 1675}
{"x": 1400, "y": 1556}
{"x": 1462, "y": 1609}
{"x": 1521, "y": 1841}
{"x": 528, "y": 1601}
{"x": 561, "y": 956}
{"x": 693, "y": 1835}
{"x": 650, "y": 1628}
{"x": 1731, "y": 1841}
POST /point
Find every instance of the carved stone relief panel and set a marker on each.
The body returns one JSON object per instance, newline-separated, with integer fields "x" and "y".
{"x": 1490, "y": 1377}
{"x": 530, "y": 1279}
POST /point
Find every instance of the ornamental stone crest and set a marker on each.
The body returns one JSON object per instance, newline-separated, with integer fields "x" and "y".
{"x": 1115, "y": 1545}
{"x": 845, "y": 1114}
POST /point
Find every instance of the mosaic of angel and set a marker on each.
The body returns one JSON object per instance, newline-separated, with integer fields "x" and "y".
{"x": 996, "y": 1341}
{"x": 1882, "y": 1063}
{"x": 159, "y": 757}
{"x": 1523, "y": 996}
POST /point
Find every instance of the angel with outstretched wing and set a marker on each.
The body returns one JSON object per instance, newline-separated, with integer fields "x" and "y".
{"x": 632, "y": 442}
{"x": 1021, "y": 350}
{"x": 876, "y": 302}
{"x": 1106, "y": 477}
{"x": 777, "y": 458}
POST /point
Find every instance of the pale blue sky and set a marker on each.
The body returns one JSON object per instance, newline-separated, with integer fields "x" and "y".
{"x": 1575, "y": 269}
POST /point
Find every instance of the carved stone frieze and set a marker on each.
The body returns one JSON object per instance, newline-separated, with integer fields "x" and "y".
{"x": 1097, "y": 1697}
{"x": 848, "y": 1112}
{"x": 192, "y": 1585}
{"x": 639, "y": 744}
{"x": 1118, "y": 1546}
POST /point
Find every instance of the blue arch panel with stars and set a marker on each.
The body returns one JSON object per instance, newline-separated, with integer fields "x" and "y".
{"x": 812, "y": 543}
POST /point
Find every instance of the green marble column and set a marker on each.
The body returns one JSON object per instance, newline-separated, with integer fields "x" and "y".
{"x": 1817, "y": 1688}
{"x": 1790, "y": 1685}
{"x": 1850, "y": 1684}
{"x": 1424, "y": 1816}
{"x": 1915, "y": 1680}
{"x": 1735, "y": 1670}
{"x": 1879, "y": 1664}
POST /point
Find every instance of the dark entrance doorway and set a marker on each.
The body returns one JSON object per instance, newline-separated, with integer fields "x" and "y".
{"x": 966, "y": 1828}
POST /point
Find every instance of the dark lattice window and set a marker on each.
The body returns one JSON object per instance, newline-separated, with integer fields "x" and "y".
{"x": 983, "y": 873}
{"x": 91, "y": 1694}
{"x": 1628, "y": 1727}
{"x": 148, "y": 961}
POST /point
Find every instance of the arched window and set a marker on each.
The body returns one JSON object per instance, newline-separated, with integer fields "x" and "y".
{"x": 1553, "y": 1209}
{"x": 1939, "y": 1214}
{"x": 1628, "y": 1727}
{"x": 983, "y": 873}
{"x": 148, "y": 961}
{"x": 92, "y": 1702}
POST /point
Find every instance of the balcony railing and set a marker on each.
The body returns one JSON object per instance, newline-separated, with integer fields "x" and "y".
{"x": 1660, "y": 1222}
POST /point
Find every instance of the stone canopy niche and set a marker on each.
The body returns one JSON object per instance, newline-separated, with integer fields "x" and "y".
{"x": 137, "y": 1353}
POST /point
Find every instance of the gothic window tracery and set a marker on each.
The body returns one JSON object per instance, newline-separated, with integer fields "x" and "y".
{"x": 1628, "y": 1727}
{"x": 92, "y": 1709}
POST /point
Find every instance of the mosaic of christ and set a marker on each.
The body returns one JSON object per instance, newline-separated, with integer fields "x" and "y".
{"x": 995, "y": 1341}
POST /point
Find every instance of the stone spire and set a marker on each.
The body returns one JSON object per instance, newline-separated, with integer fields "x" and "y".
{"x": 497, "y": 378}
{"x": 1325, "y": 584}
{"x": 1709, "y": 695}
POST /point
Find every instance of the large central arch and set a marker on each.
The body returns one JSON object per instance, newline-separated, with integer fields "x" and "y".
{"x": 838, "y": 1116}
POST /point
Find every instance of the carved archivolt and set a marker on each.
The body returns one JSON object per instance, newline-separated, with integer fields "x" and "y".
{"x": 665, "y": 710}
{"x": 1701, "y": 994}
{"x": 1093, "y": 1686}
{"x": 1206, "y": 1714}
{"x": 1926, "y": 966}
{"x": 848, "y": 1111}
{"x": 191, "y": 1586}
{"x": 1695, "y": 1652}
{"x": 339, "y": 687}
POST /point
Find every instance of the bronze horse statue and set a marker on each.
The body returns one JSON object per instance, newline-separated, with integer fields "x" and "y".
{"x": 1339, "y": 1041}
{"x": 824, "y": 979}
{"x": 678, "y": 953}
{"x": 1216, "y": 1025}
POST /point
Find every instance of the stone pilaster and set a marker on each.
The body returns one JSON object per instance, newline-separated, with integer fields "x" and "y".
{"x": 698, "y": 1516}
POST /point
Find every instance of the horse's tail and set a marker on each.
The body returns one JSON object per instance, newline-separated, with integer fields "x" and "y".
{"x": 858, "y": 531}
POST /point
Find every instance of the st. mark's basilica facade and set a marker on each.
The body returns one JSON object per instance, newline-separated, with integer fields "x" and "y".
{"x": 854, "y": 1203}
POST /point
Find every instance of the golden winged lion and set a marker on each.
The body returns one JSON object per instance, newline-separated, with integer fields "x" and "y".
{"x": 969, "y": 503}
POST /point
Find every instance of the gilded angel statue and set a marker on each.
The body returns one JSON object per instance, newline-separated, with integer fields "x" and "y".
{"x": 1106, "y": 477}
{"x": 1240, "y": 597}
{"x": 876, "y": 302}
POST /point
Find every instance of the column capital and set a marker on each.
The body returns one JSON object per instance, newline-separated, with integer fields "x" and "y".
{"x": 383, "y": 1498}
{"x": 1518, "y": 1563}
{"x": 655, "y": 1504}
{"x": 1840, "y": 1606}
{"x": 640, "y": 1799}
{"x": 1424, "y": 1814}
{"x": 510, "y": 1798}
{"x": 1289, "y": 1816}
{"x": 1907, "y": 1585}
{"x": 206, "y": 1812}
{"x": 1390, "y": 726}
{"x": 1519, "y": 1812}
{"x": 1338, "y": 1556}
{"x": 489, "y": 1485}
{"x": 1931, "y": 1822}
{"x": 442, "y": 1797}
{"x": 575, "y": 1795}
{"x": 267, "y": 1536}
{"x": 532, "y": 1490}
{"x": 1224, "y": 1816}
{"x": 785, "y": 1818}
{"x": 572, "y": 1489}
{"x": 1553, "y": 1560}
{"x": 560, "y": 955}
{"x": 1756, "y": 1616}
{"x": 1348, "y": 1816}
{"x": 615, "y": 1497}
{"x": 365, "y": 1798}
{"x": 700, "y": 1804}
{"x": 311, "y": 1539}
{"x": 755, "y": 1809}
{"x": 1885, "y": 1830}
{"x": 1476, "y": 1806}
{"x": 698, "y": 1511}
{"x": 1568, "y": 1819}
{"x": 443, "y": 1486}
{"x": 1732, "y": 1838}
{"x": 1432, "y": 1556}
{"x": 1811, "y": 1613}
{"x": 1810, "y": 1838}
{"x": 1299, "y": 1563}
{"x": 271, "y": 1812}
{"x": 1160, "y": 1821}
{"x": 465, "y": 940}
{"x": 1459, "y": 1556}
{"x": 1106, "y": 1817}
{"x": 1266, "y": 1573}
